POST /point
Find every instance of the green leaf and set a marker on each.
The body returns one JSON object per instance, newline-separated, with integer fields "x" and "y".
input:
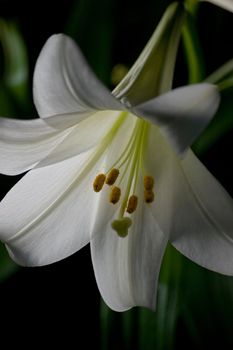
{"x": 7, "y": 266}
{"x": 15, "y": 69}
{"x": 116, "y": 328}
{"x": 6, "y": 102}
{"x": 158, "y": 329}
{"x": 207, "y": 307}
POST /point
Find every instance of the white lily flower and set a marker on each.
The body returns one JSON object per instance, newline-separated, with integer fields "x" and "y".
{"x": 225, "y": 4}
{"x": 107, "y": 169}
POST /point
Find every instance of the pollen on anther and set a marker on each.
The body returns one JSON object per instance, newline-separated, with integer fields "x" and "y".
{"x": 149, "y": 196}
{"x": 115, "y": 195}
{"x": 112, "y": 176}
{"x": 148, "y": 183}
{"x": 99, "y": 182}
{"x": 132, "y": 204}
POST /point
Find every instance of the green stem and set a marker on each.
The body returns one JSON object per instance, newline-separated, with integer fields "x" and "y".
{"x": 193, "y": 51}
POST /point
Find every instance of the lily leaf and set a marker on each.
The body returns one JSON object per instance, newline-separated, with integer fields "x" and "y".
{"x": 6, "y": 103}
{"x": 207, "y": 307}
{"x": 7, "y": 265}
{"x": 15, "y": 71}
{"x": 157, "y": 330}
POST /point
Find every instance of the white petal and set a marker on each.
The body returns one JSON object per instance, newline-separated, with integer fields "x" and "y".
{"x": 48, "y": 214}
{"x": 225, "y": 4}
{"x": 182, "y": 113}
{"x": 209, "y": 240}
{"x": 83, "y": 136}
{"x": 161, "y": 163}
{"x": 127, "y": 269}
{"x": 191, "y": 207}
{"x": 64, "y": 83}
{"x": 59, "y": 205}
{"x": 23, "y": 143}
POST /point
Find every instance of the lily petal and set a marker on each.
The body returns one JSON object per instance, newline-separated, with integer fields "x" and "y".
{"x": 127, "y": 269}
{"x": 152, "y": 73}
{"x": 205, "y": 231}
{"x": 225, "y": 4}
{"x": 36, "y": 235}
{"x": 83, "y": 136}
{"x": 198, "y": 211}
{"x": 65, "y": 84}
{"x": 182, "y": 113}
{"x": 191, "y": 207}
{"x": 23, "y": 143}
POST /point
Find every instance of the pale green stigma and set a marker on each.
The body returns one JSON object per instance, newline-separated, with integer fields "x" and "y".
{"x": 121, "y": 226}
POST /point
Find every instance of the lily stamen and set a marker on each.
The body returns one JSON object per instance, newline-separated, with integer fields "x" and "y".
{"x": 112, "y": 176}
{"x": 132, "y": 204}
{"x": 149, "y": 196}
{"x": 148, "y": 182}
{"x": 148, "y": 189}
{"x": 99, "y": 182}
{"x": 115, "y": 195}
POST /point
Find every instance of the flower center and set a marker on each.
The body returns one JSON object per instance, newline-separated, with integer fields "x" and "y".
{"x": 126, "y": 178}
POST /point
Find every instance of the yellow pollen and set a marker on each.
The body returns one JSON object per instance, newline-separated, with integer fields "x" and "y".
{"x": 112, "y": 176}
{"x": 115, "y": 195}
{"x": 132, "y": 204}
{"x": 149, "y": 196}
{"x": 148, "y": 183}
{"x": 121, "y": 226}
{"x": 99, "y": 182}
